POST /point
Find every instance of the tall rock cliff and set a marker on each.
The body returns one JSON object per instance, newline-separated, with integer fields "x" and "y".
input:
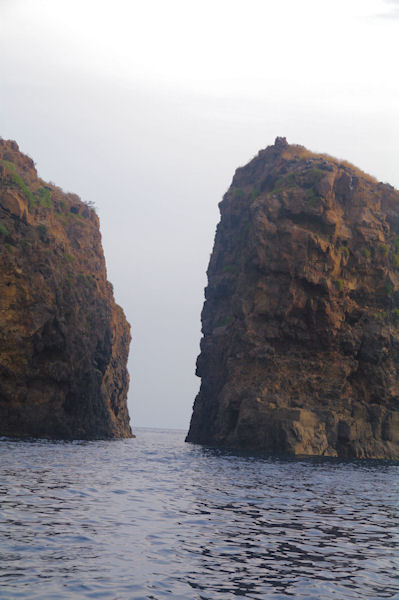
{"x": 64, "y": 342}
{"x": 300, "y": 348}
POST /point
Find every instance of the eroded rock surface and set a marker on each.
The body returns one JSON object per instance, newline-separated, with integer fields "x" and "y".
{"x": 300, "y": 348}
{"x": 64, "y": 342}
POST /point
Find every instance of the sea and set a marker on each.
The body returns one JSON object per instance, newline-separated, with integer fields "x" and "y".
{"x": 154, "y": 518}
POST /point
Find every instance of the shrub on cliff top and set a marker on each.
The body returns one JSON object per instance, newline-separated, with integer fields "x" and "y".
{"x": 90, "y": 205}
{"x": 3, "y": 230}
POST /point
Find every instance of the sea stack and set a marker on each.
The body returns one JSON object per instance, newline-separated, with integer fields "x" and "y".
{"x": 300, "y": 348}
{"x": 64, "y": 342}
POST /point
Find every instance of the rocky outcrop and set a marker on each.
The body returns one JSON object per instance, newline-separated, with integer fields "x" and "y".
{"x": 300, "y": 348}
{"x": 64, "y": 342}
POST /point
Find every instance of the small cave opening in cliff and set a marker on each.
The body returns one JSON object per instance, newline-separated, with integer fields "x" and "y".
{"x": 313, "y": 290}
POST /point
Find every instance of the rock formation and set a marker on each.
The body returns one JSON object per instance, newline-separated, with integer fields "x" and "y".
{"x": 64, "y": 342}
{"x": 300, "y": 348}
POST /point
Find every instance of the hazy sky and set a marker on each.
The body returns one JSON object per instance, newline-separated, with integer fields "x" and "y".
{"x": 147, "y": 107}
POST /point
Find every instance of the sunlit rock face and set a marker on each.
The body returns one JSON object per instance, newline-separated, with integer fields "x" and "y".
{"x": 64, "y": 342}
{"x": 300, "y": 348}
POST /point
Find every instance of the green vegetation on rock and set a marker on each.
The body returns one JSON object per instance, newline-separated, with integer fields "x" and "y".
{"x": 3, "y": 230}
{"x": 19, "y": 182}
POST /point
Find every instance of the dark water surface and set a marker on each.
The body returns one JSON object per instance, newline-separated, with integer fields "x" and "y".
{"x": 156, "y": 518}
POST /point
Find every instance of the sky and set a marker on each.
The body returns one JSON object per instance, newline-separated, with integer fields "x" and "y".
{"x": 146, "y": 108}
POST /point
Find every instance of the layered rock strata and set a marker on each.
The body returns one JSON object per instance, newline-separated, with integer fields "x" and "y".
{"x": 300, "y": 348}
{"x": 64, "y": 342}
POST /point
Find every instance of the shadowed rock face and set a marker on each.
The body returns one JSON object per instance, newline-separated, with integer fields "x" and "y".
{"x": 64, "y": 342}
{"x": 300, "y": 348}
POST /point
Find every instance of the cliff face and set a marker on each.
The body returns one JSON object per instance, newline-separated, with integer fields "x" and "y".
{"x": 300, "y": 348}
{"x": 64, "y": 342}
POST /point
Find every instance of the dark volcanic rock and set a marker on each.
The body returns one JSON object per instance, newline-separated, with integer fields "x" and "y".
{"x": 300, "y": 353}
{"x": 64, "y": 342}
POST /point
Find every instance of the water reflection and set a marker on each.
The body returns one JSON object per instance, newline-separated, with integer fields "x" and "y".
{"x": 154, "y": 518}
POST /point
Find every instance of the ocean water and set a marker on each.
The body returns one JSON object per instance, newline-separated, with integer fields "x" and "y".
{"x": 156, "y": 518}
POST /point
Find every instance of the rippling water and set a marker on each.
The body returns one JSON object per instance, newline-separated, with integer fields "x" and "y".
{"x": 155, "y": 518}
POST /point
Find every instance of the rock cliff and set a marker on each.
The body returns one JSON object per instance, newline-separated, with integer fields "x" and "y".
{"x": 64, "y": 342}
{"x": 300, "y": 348}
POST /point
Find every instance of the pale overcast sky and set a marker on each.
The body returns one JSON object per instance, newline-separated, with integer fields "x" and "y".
{"x": 147, "y": 107}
